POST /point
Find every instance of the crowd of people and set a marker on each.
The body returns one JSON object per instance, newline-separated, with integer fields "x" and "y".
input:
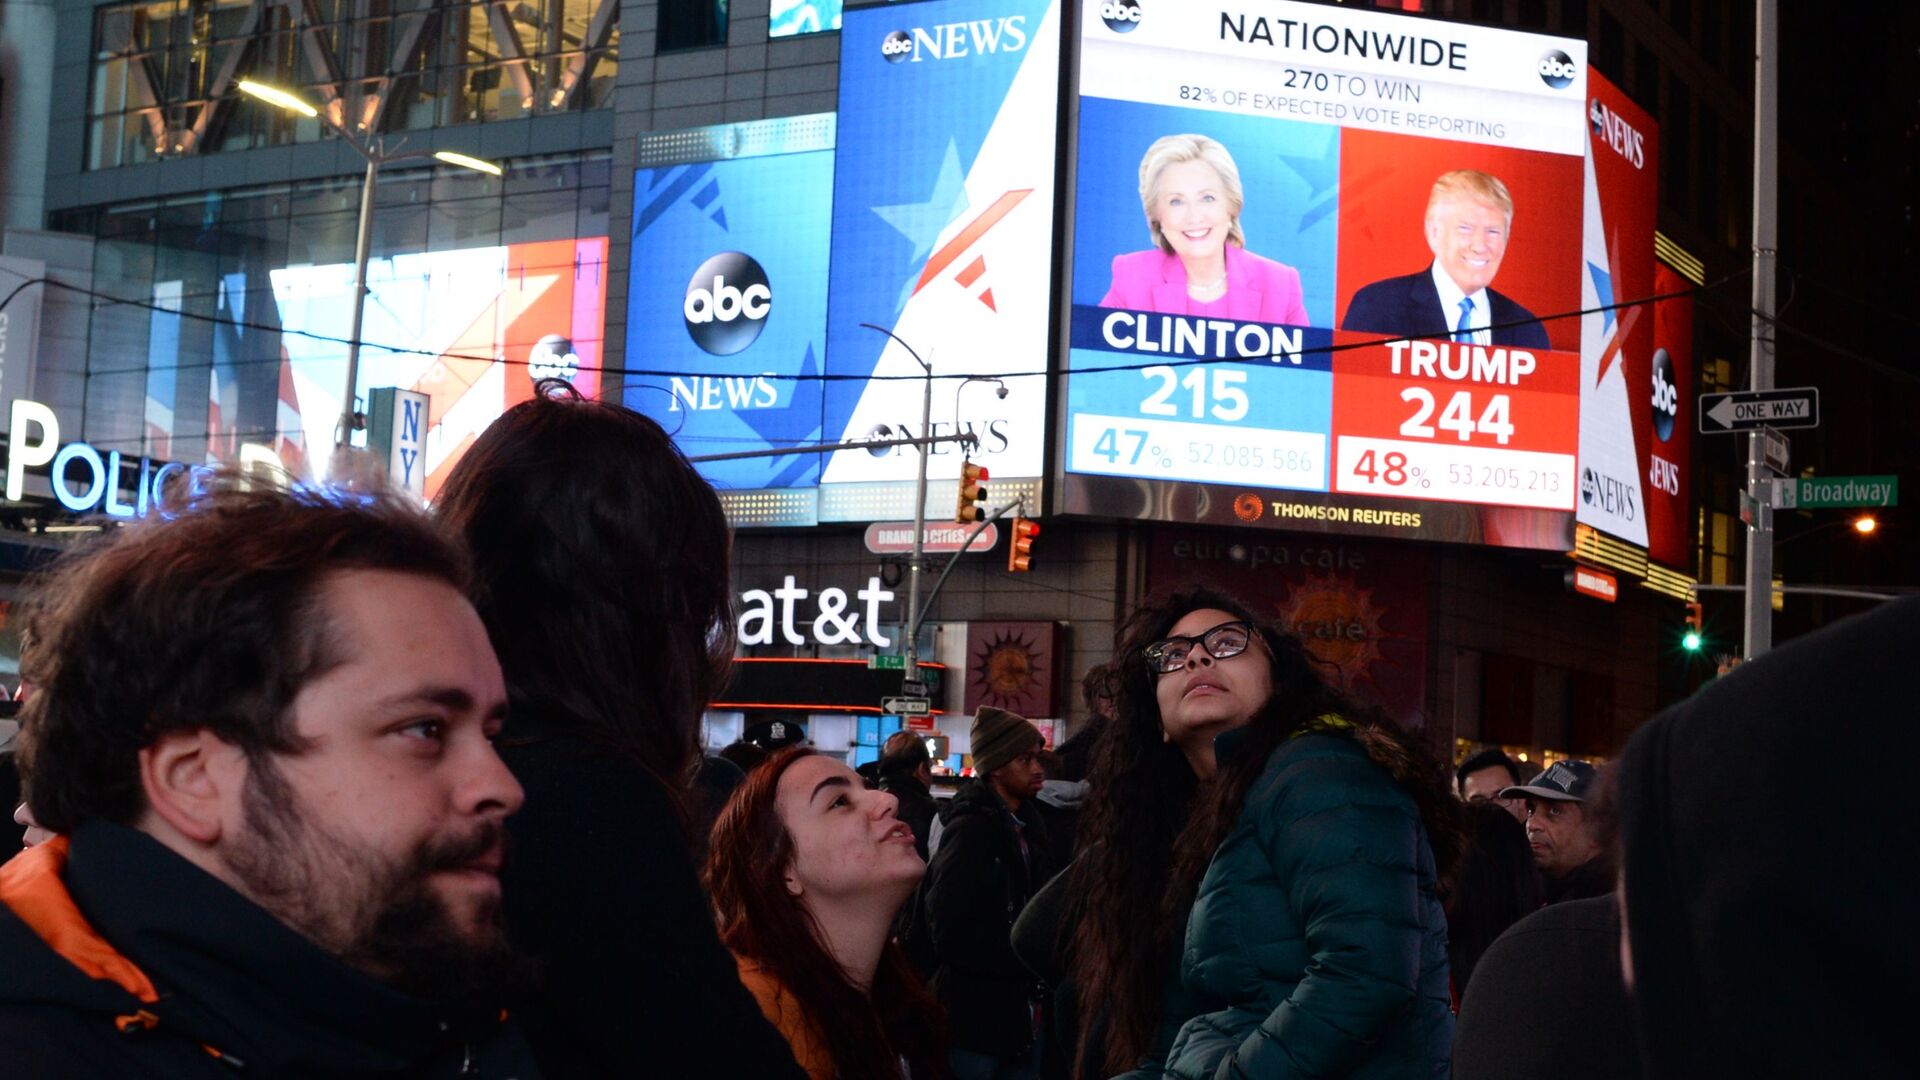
{"x": 323, "y": 786}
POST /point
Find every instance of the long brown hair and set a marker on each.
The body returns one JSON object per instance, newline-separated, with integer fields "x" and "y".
{"x": 867, "y": 1032}
{"x": 601, "y": 573}
{"x": 1150, "y": 829}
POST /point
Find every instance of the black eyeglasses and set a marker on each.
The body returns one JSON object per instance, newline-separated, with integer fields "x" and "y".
{"x": 1223, "y": 642}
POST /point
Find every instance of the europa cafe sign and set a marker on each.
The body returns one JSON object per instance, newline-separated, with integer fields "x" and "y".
{"x": 83, "y": 479}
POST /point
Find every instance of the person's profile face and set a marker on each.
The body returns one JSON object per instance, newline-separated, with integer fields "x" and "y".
{"x": 1468, "y": 237}
{"x": 848, "y": 842}
{"x": 1485, "y": 785}
{"x": 23, "y": 817}
{"x": 1193, "y": 210}
{"x": 383, "y": 839}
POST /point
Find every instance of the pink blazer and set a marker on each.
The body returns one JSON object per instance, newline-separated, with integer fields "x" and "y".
{"x": 1258, "y": 289}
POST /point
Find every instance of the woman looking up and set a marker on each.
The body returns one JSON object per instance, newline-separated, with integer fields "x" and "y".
{"x": 1315, "y": 932}
{"x": 601, "y": 569}
{"x": 1229, "y": 759}
{"x": 808, "y": 869}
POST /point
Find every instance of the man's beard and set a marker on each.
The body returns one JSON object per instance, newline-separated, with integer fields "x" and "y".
{"x": 378, "y": 915}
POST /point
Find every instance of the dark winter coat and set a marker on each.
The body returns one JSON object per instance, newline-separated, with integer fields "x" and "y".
{"x": 602, "y": 895}
{"x": 184, "y": 977}
{"x": 917, "y": 805}
{"x": 1771, "y": 847}
{"x": 1317, "y": 940}
{"x": 975, "y": 889}
{"x": 1546, "y": 1000}
{"x": 1584, "y": 882}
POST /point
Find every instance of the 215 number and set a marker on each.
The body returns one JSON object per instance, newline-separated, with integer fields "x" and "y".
{"x": 1228, "y": 401}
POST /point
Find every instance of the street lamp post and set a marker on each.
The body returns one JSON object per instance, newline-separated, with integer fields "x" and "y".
{"x": 919, "y": 505}
{"x": 376, "y": 156}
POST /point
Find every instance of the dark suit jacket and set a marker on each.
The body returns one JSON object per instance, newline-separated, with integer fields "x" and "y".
{"x": 1410, "y": 306}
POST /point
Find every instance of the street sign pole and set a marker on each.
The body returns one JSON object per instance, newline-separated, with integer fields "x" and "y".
{"x": 1759, "y": 572}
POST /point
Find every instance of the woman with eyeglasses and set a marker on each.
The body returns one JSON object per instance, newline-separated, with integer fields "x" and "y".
{"x": 1259, "y": 891}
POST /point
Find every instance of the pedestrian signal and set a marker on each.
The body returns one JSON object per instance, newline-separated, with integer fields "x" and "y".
{"x": 1693, "y": 638}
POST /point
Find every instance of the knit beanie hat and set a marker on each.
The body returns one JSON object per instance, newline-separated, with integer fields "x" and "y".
{"x": 1000, "y": 736}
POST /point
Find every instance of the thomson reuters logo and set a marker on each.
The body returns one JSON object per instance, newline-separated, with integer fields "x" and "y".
{"x": 1248, "y": 507}
{"x": 1666, "y": 395}
{"x": 897, "y": 46}
{"x": 1556, "y": 69}
{"x": 727, "y": 303}
{"x": 1121, "y": 16}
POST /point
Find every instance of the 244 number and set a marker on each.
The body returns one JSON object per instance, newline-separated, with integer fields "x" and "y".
{"x": 1457, "y": 416}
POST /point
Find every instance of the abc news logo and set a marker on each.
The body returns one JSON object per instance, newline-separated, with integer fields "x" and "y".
{"x": 1557, "y": 69}
{"x": 1121, "y": 16}
{"x": 727, "y": 303}
{"x": 1603, "y": 492}
{"x": 956, "y": 40}
{"x": 1612, "y": 128}
{"x": 1664, "y": 475}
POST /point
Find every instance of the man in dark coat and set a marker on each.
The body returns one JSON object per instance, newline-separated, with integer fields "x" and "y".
{"x": 906, "y": 773}
{"x": 263, "y": 734}
{"x": 1563, "y": 831}
{"x": 990, "y": 862}
{"x": 1770, "y": 928}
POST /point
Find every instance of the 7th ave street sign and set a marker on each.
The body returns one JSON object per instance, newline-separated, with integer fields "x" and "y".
{"x": 1747, "y": 410}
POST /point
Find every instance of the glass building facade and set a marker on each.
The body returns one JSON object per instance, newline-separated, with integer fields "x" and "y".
{"x": 220, "y": 318}
{"x": 164, "y": 71}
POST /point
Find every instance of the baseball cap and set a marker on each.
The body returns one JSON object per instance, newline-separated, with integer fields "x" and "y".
{"x": 1567, "y": 781}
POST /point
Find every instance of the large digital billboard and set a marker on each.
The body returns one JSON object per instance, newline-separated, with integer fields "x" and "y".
{"x": 1323, "y": 262}
{"x": 943, "y": 215}
{"x": 728, "y": 291}
{"x": 786, "y": 18}
{"x": 1633, "y": 461}
{"x": 472, "y": 328}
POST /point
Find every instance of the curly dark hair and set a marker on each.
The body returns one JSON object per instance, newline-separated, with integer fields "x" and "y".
{"x": 1150, "y": 828}
{"x": 207, "y": 616}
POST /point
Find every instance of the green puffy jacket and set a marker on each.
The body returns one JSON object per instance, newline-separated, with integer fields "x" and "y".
{"x": 1317, "y": 939}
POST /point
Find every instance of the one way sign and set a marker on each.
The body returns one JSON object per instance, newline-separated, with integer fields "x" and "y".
{"x": 1746, "y": 410}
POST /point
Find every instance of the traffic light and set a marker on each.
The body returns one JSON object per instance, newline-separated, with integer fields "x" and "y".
{"x": 1020, "y": 545}
{"x": 968, "y": 506}
{"x": 1692, "y": 639}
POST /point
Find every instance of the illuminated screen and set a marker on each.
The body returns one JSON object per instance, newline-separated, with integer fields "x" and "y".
{"x": 1340, "y": 316}
{"x": 786, "y": 18}
{"x": 472, "y": 329}
{"x": 1634, "y": 452}
{"x": 728, "y": 290}
{"x": 942, "y": 234}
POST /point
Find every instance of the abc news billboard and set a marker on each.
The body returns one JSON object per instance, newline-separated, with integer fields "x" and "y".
{"x": 1271, "y": 200}
{"x": 1634, "y": 450}
{"x": 943, "y": 215}
{"x": 729, "y": 290}
{"x": 751, "y": 298}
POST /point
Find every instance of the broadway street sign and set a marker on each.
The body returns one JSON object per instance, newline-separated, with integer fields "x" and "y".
{"x": 1746, "y": 410}
{"x": 1814, "y": 493}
